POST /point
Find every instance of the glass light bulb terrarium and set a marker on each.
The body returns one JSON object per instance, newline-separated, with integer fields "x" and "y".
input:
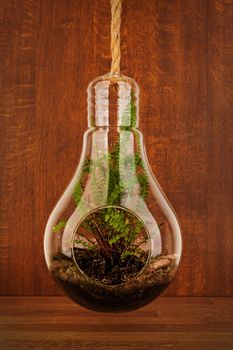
{"x": 113, "y": 242}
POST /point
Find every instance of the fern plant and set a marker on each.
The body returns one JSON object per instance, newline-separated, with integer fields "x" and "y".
{"x": 113, "y": 234}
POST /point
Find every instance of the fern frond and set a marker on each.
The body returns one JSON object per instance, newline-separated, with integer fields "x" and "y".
{"x": 77, "y": 195}
{"x": 59, "y": 226}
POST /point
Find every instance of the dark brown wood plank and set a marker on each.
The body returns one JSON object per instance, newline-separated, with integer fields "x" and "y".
{"x": 176, "y": 323}
{"x": 220, "y": 162}
{"x": 65, "y": 38}
{"x": 19, "y": 143}
{"x": 181, "y": 55}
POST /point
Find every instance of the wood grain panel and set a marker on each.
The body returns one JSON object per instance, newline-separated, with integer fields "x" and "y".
{"x": 181, "y": 55}
{"x": 19, "y": 143}
{"x": 170, "y": 323}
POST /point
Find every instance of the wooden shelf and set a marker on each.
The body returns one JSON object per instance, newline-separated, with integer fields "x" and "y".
{"x": 46, "y": 323}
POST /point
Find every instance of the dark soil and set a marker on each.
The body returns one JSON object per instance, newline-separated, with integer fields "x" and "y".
{"x": 110, "y": 293}
{"x": 97, "y": 268}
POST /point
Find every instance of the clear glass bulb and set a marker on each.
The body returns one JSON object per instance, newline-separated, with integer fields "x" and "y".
{"x": 113, "y": 242}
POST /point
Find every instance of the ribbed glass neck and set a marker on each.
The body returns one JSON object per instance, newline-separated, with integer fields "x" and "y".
{"x": 113, "y": 100}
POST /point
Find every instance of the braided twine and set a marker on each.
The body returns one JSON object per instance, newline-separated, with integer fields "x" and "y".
{"x": 116, "y": 6}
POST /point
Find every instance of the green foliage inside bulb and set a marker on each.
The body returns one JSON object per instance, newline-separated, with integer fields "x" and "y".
{"x": 111, "y": 233}
{"x": 122, "y": 229}
{"x": 59, "y": 226}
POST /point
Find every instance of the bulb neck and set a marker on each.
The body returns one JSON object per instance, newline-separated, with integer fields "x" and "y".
{"x": 113, "y": 100}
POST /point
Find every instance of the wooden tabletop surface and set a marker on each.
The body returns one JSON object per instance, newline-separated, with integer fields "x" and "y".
{"x": 168, "y": 323}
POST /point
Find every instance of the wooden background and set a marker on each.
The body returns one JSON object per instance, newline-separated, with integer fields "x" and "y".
{"x": 180, "y": 52}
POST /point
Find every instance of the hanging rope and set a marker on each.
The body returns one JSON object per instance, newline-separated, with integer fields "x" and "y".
{"x": 116, "y": 6}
